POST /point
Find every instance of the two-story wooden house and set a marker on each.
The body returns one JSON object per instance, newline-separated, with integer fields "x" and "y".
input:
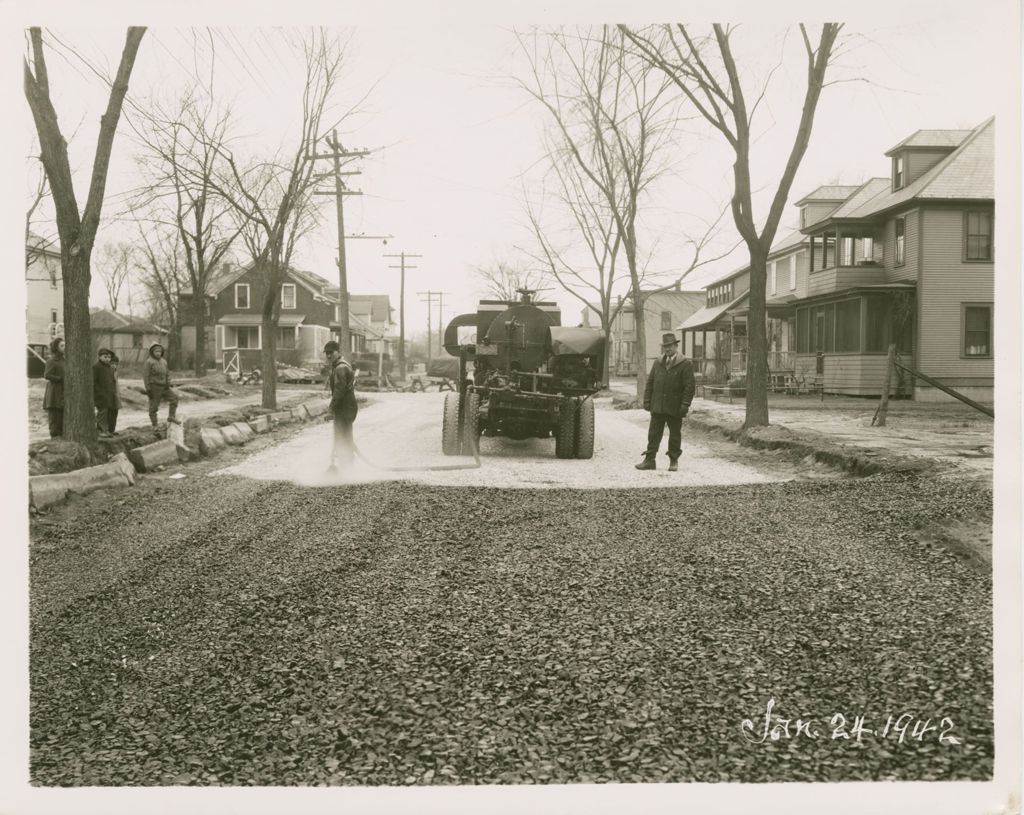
{"x": 909, "y": 260}
{"x": 306, "y": 319}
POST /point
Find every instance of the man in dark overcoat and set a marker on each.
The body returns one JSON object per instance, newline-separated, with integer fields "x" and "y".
{"x": 669, "y": 392}
{"x": 341, "y": 382}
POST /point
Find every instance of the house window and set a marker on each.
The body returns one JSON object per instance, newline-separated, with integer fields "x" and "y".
{"x": 53, "y": 316}
{"x": 243, "y": 336}
{"x": 666, "y": 321}
{"x": 978, "y": 237}
{"x": 846, "y": 252}
{"x": 626, "y": 321}
{"x": 771, "y": 276}
{"x": 241, "y": 295}
{"x": 358, "y": 343}
{"x": 288, "y": 295}
{"x": 897, "y": 173}
{"x": 901, "y": 226}
{"x": 792, "y": 273}
{"x": 285, "y": 337}
{"x": 136, "y": 340}
{"x": 977, "y": 330}
{"x": 848, "y": 325}
{"x": 867, "y": 248}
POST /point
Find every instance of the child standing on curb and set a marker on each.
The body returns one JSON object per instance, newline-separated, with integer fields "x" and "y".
{"x": 156, "y": 378}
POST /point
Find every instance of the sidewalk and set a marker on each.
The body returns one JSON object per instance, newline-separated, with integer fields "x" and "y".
{"x": 949, "y": 433}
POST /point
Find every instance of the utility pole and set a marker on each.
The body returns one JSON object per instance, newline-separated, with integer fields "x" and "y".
{"x": 430, "y": 300}
{"x": 401, "y": 309}
{"x": 440, "y": 322}
{"x": 338, "y": 152}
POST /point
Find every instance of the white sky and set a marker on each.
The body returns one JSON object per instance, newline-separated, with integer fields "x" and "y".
{"x": 452, "y": 138}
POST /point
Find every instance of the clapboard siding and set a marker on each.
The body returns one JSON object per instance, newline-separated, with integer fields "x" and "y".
{"x": 918, "y": 163}
{"x": 911, "y": 242}
{"x": 850, "y": 374}
{"x": 844, "y": 277}
{"x": 947, "y": 282}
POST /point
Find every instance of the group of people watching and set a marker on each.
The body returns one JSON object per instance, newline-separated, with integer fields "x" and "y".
{"x": 105, "y": 394}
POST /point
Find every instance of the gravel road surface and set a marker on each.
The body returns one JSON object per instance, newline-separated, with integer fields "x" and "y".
{"x": 237, "y": 630}
{"x": 404, "y": 430}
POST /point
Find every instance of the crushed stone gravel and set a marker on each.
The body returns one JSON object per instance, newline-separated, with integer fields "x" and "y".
{"x": 228, "y": 630}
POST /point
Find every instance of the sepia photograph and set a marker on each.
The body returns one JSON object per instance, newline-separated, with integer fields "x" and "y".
{"x": 583, "y": 409}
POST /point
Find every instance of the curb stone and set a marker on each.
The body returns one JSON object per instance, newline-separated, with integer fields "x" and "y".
{"x": 47, "y": 490}
{"x": 151, "y": 456}
{"x": 260, "y": 424}
{"x": 211, "y": 441}
{"x": 232, "y": 435}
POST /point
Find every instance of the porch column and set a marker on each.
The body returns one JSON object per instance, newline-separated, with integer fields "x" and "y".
{"x": 812, "y": 240}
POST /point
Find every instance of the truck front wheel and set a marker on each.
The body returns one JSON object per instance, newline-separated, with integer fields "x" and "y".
{"x": 585, "y": 429}
{"x": 451, "y": 441}
{"x": 565, "y": 436}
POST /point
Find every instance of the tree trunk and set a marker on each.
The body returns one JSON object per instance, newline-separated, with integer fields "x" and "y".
{"x": 268, "y": 356}
{"x": 199, "y": 364}
{"x": 79, "y": 412}
{"x": 640, "y": 345}
{"x": 174, "y": 347}
{"x": 757, "y": 342}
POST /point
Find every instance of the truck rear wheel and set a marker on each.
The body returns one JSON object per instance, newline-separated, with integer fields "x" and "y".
{"x": 565, "y": 437}
{"x": 450, "y": 437}
{"x": 585, "y": 429}
{"x": 470, "y": 423}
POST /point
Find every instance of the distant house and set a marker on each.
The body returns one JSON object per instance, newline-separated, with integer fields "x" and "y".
{"x": 44, "y": 313}
{"x": 374, "y": 313}
{"x": 907, "y": 260}
{"x": 127, "y": 336}
{"x": 307, "y": 319}
{"x": 663, "y": 311}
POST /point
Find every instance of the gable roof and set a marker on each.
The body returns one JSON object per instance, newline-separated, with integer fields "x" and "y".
{"x": 106, "y": 320}
{"x": 873, "y": 188}
{"x": 378, "y": 306}
{"x": 966, "y": 173}
{"x": 828, "y": 193}
{"x": 931, "y": 138}
{"x": 224, "y": 277}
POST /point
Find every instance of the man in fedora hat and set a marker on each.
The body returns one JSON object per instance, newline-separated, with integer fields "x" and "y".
{"x": 670, "y": 388}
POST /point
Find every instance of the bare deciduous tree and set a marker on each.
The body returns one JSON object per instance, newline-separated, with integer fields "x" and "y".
{"x": 181, "y": 148}
{"x": 163, "y": 273}
{"x": 77, "y": 229}
{"x": 114, "y": 266}
{"x": 272, "y": 199}
{"x": 503, "y": 280}
{"x": 706, "y": 71}
{"x": 612, "y": 119}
